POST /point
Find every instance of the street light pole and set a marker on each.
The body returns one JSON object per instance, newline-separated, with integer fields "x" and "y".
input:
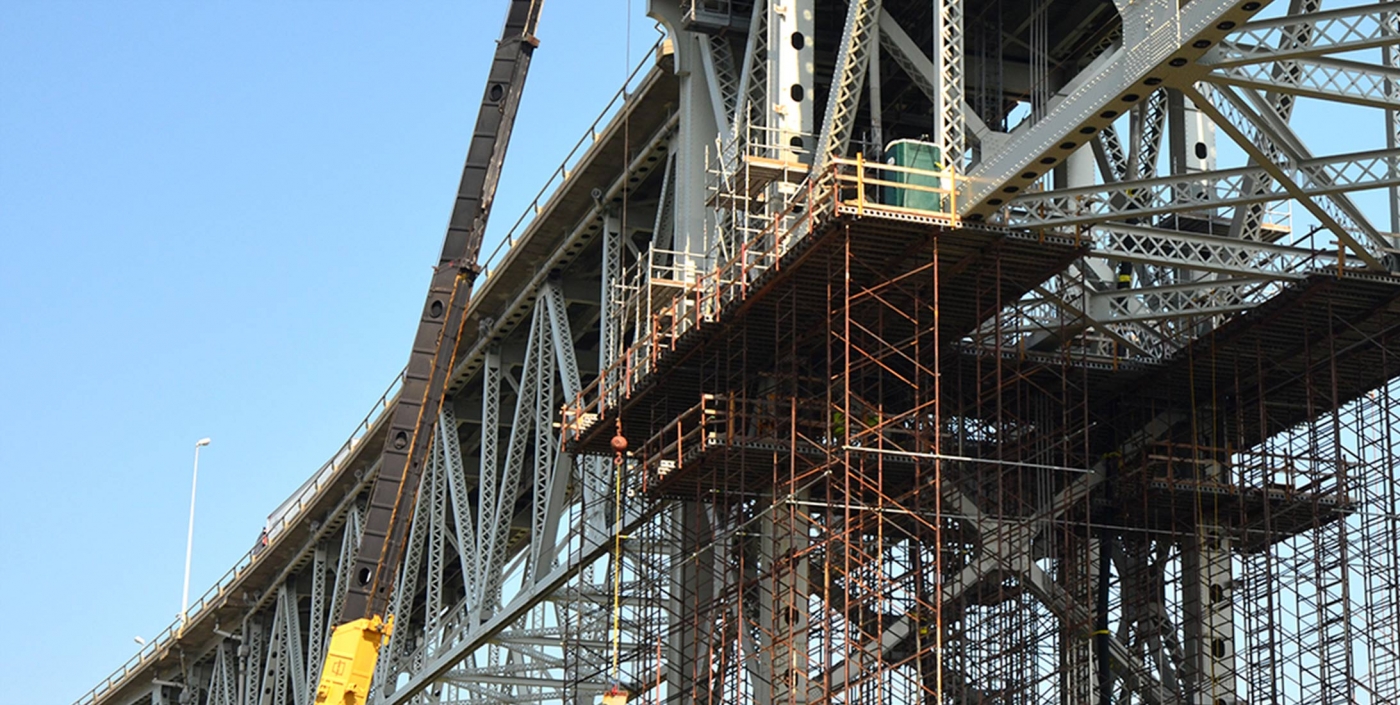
{"x": 189, "y": 541}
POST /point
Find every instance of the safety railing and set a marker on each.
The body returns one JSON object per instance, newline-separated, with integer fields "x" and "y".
{"x": 287, "y": 513}
{"x": 701, "y": 302}
{"x": 720, "y": 420}
{"x": 667, "y": 450}
{"x": 891, "y": 190}
{"x": 566, "y": 167}
{"x": 670, "y": 266}
{"x": 845, "y": 187}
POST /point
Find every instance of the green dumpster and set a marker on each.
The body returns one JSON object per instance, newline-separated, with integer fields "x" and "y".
{"x": 914, "y": 155}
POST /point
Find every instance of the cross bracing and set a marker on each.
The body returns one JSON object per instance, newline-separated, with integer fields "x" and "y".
{"x": 1082, "y": 409}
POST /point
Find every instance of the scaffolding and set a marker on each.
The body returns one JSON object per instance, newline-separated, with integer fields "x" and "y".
{"x": 859, "y": 491}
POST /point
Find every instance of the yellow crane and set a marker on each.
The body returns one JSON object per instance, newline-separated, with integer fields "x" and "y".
{"x": 363, "y": 624}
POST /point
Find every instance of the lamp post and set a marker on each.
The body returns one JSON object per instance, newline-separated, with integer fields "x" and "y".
{"x": 189, "y": 541}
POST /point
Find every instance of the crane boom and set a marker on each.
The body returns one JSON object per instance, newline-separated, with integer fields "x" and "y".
{"x": 363, "y": 622}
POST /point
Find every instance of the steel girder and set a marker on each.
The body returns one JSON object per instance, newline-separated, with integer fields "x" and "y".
{"x": 1392, "y": 113}
{"x": 1154, "y": 38}
{"x": 920, "y": 70}
{"x": 1147, "y": 122}
{"x": 461, "y": 640}
{"x": 522, "y": 567}
{"x": 273, "y": 657}
{"x": 1205, "y": 191}
{"x": 1253, "y": 79}
{"x": 223, "y": 676}
{"x": 1323, "y": 78}
{"x": 1276, "y": 149}
{"x": 1343, "y": 30}
{"x": 1154, "y": 304}
{"x": 852, "y": 64}
{"x": 453, "y": 558}
{"x": 723, "y": 82}
{"x": 498, "y": 627}
{"x": 516, "y": 558}
{"x": 1246, "y": 222}
{"x": 950, "y": 123}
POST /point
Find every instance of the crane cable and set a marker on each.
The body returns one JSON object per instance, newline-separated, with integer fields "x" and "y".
{"x": 619, "y": 446}
{"x": 619, "y": 441}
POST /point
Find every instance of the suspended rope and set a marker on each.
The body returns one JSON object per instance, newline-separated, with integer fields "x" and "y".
{"x": 616, "y": 695}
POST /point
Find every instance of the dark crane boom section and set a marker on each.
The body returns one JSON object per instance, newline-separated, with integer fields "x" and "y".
{"x": 363, "y": 622}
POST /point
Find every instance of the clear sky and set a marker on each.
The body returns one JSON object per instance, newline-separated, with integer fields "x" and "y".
{"x": 218, "y": 219}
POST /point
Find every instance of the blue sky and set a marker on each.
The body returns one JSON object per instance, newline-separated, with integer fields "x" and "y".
{"x": 218, "y": 219}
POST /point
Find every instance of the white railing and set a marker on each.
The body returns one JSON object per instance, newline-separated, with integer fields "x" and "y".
{"x": 565, "y": 169}
{"x": 287, "y": 513}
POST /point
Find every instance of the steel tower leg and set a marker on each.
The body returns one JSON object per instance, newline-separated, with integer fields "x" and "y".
{"x": 791, "y": 41}
{"x": 696, "y": 135}
{"x": 783, "y": 601}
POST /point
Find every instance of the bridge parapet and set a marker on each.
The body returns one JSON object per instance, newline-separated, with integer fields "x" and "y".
{"x": 566, "y": 169}
{"x": 241, "y": 579}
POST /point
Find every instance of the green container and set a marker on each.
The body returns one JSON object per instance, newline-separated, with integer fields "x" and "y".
{"x": 914, "y": 155}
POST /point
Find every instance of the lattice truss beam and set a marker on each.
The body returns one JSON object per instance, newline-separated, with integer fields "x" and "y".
{"x": 1140, "y": 199}
{"x": 505, "y": 592}
{"x": 1201, "y": 226}
{"x": 460, "y": 574}
{"x": 274, "y": 656}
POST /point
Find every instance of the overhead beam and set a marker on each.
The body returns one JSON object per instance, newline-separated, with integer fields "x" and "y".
{"x": 1160, "y": 42}
{"x": 1337, "y": 80}
{"x": 852, "y": 63}
{"x": 1203, "y": 191}
{"x": 921, "y": 71}
{"x": 1205, "y": 253}
{"x": 1337, "y": 31}
{"x": 1273, "y": 146}
{"x": 590, "y": 550}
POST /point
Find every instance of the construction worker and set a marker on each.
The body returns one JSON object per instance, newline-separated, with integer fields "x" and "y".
{"x": 838, "y": 423}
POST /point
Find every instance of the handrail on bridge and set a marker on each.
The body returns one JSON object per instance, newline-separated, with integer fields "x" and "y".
{"x": 562, "y": 173}
{"x": 290, "y": 510}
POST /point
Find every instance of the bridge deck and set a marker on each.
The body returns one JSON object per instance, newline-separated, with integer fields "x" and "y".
{"x": 571, "y": 218}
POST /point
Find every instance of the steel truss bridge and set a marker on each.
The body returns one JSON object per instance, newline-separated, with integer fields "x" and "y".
{"x": 1074, "y": 411}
